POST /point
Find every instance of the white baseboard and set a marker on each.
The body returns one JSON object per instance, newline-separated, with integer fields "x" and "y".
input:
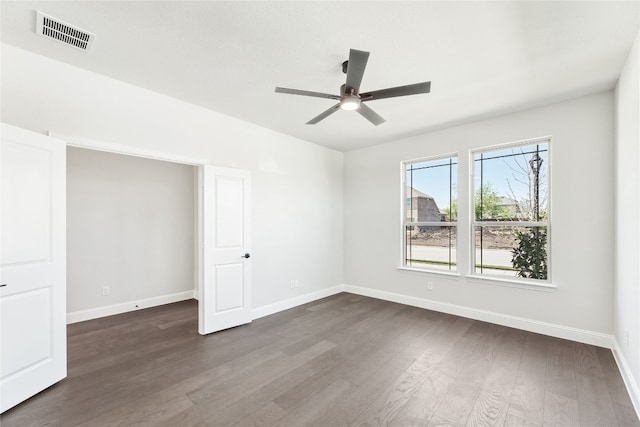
{"x": 566, "y": 332}
{"x": 632, "y": 386}
{"x": 109, "y": 310}
{"x": 266, "y": 310}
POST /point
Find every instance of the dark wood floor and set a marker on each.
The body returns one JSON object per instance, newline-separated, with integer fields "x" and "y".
{"x": 343, "y": 360}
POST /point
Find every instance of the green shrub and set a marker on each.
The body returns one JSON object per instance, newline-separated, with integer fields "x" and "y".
{"x": 530, "y": 257}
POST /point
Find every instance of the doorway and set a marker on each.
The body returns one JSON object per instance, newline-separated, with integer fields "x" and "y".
{"x": 131, "y": 232}
{"x": 34, "y": 175}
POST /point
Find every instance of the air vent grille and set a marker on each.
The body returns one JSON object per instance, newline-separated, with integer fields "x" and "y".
{"x": 62, "y": 32}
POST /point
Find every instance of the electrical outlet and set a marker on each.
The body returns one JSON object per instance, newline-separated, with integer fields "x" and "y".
{"x": 294, "y": 284}
{"x": 106, "y": 290}
{"x": 430, "y": 286}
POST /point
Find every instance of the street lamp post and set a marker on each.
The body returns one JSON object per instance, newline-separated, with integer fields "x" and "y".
{"x": 536, "y": 163}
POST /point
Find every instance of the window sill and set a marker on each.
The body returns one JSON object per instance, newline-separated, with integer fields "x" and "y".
{"x": 491, "y": 280}
{"x": 436, "y": 272}
{"x": 514, "y": 283}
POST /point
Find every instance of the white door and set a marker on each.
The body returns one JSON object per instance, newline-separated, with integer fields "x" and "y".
{"x": 225, "y": 221}
{"x": 33, "y": 352}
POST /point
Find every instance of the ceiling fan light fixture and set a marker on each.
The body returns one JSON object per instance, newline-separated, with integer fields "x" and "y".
{"x": 350, "y": 102}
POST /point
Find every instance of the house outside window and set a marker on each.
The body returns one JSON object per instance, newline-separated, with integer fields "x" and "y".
{"x": 430, "y": 213}
{"x": 511, "y": 218}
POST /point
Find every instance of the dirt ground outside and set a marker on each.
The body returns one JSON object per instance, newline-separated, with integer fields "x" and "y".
{"x": 492, "y": 238}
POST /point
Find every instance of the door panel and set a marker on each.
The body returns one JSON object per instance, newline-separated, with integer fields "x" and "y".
{"x": 229, "y": 206}
{"x": 33, "y": 264}
{"x": 225, "y": 287}
{"x": 18, "y": 353}
{"x": 229, "y": 296}
{"x": 26, "y": 192}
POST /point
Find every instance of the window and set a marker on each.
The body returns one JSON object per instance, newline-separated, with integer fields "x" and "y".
{"x": 430, "y": 213}
{"x": 510, "y": 230}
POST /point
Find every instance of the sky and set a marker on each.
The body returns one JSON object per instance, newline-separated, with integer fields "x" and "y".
{"x": 498, "y": 172}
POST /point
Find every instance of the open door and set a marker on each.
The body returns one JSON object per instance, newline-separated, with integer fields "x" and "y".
{"x": 33, "y": 351}
{"x": 225, "y": 251}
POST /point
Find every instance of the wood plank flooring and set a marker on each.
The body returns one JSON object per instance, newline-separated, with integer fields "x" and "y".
{"x": 343, "y": 360}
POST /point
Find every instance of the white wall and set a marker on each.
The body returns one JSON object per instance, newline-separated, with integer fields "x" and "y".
{"x": 627, "y": 217}
{"x": 297, "y": 186}
{"x": 581, "y": 203}
{"x": 130, "y": 226}
{"x": 298, "y": 189}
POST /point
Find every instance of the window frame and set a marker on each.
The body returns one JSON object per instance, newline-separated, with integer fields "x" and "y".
{"x": 474, "y": 223}
{"x": 404, "y": 212}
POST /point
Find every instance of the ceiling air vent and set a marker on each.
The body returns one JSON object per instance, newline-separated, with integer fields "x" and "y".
{"x": 58, "y": 30}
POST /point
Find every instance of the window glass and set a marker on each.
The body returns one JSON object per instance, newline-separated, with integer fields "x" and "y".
{"x": 511, "y": 211}
{"x": 430, "y": 213}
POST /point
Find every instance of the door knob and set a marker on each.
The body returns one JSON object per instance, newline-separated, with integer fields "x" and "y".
{"x": 246, "y": 256}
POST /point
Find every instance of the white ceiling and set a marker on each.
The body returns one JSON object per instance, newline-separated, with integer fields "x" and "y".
{"x": 483, "y": 58}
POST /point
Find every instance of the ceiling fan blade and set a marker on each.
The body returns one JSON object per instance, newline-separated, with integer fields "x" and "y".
{"x": 413, "y": 89}
{"x": 355, "y": 68}
{"x": 370, "y": 115}
{"x": 306, "y": 93}
{"x": 324, "y": 114}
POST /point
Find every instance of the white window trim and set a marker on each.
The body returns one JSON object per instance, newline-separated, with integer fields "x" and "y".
{"x": 404, "y": 223}
{"x": 499, "y": 279}
{"x": 431, "y": 272}
{"x": 514, "y": 282}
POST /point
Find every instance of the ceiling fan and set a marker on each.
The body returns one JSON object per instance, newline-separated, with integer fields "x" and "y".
{"x": 350, "y": 97}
